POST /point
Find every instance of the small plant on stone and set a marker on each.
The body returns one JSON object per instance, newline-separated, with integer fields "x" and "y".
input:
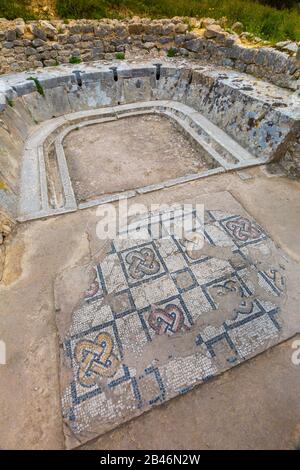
{"x": 120, "y": 55}
{"x": 38, "y": 85}
{"x": 10, "y": 102}
{"x": 190, "y": 28}
{"x": 171, "y": 52}
{"x": 75, "y": 60}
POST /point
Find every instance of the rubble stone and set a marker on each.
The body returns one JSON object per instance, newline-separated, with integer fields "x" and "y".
{"x": 35, "y": 44}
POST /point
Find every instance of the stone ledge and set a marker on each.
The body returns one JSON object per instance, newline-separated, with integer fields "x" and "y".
{"x": 267, "y": 117}
{"x": 41, "y": 43}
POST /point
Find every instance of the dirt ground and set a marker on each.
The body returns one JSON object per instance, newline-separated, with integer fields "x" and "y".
{"x": 255, "y": 405}
{"x": 129, "y": 153}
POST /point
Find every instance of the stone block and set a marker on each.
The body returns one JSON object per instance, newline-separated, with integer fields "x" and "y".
{"x": 103, "y": 31}
{"x": 135, "y": 28}
{"x": 154, "y": 28}
{"x": 214, "y": 31}
{"x": 165, "y": 39}
{"x": 87, "y": 28}
{"x": 11, "y": 35}
{"x": 181, "y": 28}
{"x": 48, "y": 29}
{"x": 195, "y": 45}
{"x": 87, "y": 37}
{"x": 30, "y": 51}
{"x": 8, "y": 45}
{"x": 234, "y": 52}
{"x": 237, "y": 27}
{"x": 280, "y": 64}
{"x": 262, "y": 57}
{"x": 168, "y": 28}
{"x": 75, "y": 28}
{"x": 19, "y": 50}
{"x": 50, "y": 62}
{"x": 62, "y": 38}
{"x": 149, "y": 38}
{"x": 38, "y": 42}
{"x": 74, "y": 38}
{"x": 121, "y": 31}
{"x": 149, "y": 45}
{"x": 45, "y": 55}
{"x": 99, "y": 44}
{"x": 179, "y": 39}
{"x": 38, "y": 32}
{"x": 230, "y": 40}
{"x": 248, "y": 55}
{"x": 97, "y": 51}
{"x": 208, "y": 22}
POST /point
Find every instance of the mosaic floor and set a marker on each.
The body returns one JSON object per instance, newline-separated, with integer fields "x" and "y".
{"x": 162, "y": 315}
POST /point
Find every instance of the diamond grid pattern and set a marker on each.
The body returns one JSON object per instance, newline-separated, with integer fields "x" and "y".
{"x": 159, "y": 289}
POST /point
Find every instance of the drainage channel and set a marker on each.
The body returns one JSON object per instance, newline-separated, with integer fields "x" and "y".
{"x": 37, "y": 202}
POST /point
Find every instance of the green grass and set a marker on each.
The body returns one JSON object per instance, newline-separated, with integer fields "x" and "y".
{"x": 120, "y": 55}
{"x": 259, "y": 17}
{"x": 10, "y": 102}
{"x": 11, "y": 9}
{"x": 83, "y": 9}
{"x": 38, "y": 85}
{"x": 262, "y": 20}
{"x": 74, "y": 60}
{"x": 171, "y": 52}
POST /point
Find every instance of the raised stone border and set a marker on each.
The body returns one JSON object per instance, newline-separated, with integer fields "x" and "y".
{"x": 36, "y": 44}
{"x": 259, "y": 116}
{"x": 34, "y": 199}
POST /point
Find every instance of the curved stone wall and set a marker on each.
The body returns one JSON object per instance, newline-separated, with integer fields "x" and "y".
{"x": 247, "y": 110}
{"x": 47, "y": 189}
{"x": 259, "y": 117}
{"x": 25, "y": 46}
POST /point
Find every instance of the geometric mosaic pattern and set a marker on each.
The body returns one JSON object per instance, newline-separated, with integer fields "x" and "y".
{"x": 162, "y": 288}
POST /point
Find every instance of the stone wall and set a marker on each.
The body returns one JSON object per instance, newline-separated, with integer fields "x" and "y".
{"x": 291, "y": 159}
{"x": 6, "y": 226}
{"x": 259, "y": 116}
{"x": 25, "y": 46}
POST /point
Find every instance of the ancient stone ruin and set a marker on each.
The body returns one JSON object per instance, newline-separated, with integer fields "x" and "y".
{"x": 98, "y": 112}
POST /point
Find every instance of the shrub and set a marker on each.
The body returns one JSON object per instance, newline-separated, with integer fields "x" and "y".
{"x": 10, "y": 102}
{"x": 74, "y": 60}
{"x": 171, "y": 52}
{"x": 259, "y": 17}
{"x": 81, "y": 8}
{"x": 38, "y": 85}
{"x": 16, "y": 9}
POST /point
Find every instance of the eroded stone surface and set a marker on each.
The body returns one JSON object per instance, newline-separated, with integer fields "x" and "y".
{"x": 261, "y": 117}
{"x": 49, "y": 44}
{"x": 162, "y": 316}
